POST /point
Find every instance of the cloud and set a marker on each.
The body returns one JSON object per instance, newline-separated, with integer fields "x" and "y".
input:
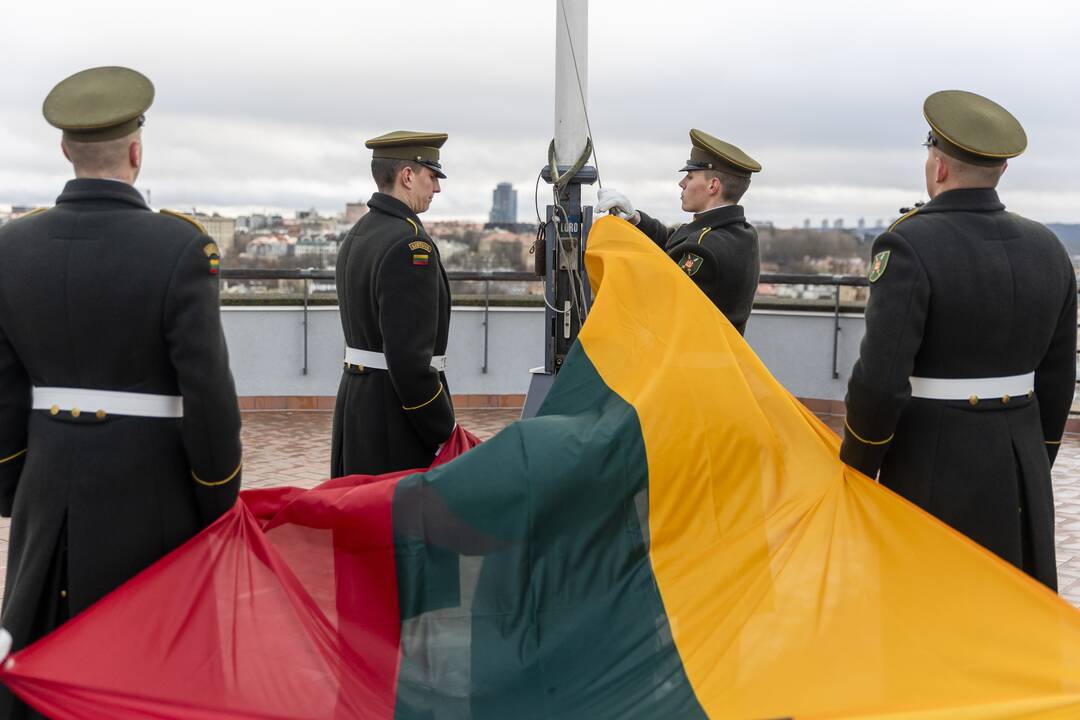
{"x": 269, "y": 107}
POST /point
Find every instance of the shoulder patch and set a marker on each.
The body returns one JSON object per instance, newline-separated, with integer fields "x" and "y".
{"x": 182, "y": 216}
{"x": 213, "y": 257}
{"x": 877, "y": 267}
{"x": 420, "y": 245}
{"x": 690, "y": 263}
{"x": 903, "y": 217}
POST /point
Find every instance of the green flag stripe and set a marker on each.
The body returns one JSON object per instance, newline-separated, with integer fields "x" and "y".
{"x": 524, "y": 576}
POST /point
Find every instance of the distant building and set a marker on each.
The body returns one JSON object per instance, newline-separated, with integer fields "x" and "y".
{"x": 354, "y": 211}
{"x": 316, "y": 246}
{"x": 270, "y": 246}
{"x": 222, "y": 229}
{"x": 311, "y": 214}
{"x": 503, "y": 205}
{"x": 838, "y": 224}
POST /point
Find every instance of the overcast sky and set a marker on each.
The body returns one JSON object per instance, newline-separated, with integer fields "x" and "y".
{"x": 268, "y": 108}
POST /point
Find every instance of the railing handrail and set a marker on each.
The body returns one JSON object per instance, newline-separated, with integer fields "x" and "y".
{"x": 523, "y": 276}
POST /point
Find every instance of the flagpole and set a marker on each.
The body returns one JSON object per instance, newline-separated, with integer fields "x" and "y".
{"x": 561, "y": 260}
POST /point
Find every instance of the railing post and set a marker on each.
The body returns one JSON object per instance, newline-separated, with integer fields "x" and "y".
{"x": 487, "y": 305}
{"x": 836, "y": 328}
{"x": 307, "y": 282}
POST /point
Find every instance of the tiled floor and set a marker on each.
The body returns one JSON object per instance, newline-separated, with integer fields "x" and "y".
{"x": 293, "y": 448}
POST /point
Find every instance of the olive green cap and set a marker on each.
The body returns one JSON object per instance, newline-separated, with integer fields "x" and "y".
{"x": 710, "y": 153}
{"x": 421, "y": 147}
{"x": 972, "y": 128}
{"x": 99, "y": 104}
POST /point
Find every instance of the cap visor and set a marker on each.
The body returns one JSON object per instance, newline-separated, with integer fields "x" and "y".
{"x": 437, "y": 168}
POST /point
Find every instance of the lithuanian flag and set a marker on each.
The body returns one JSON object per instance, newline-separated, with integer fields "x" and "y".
{"x": 672, "y": 537}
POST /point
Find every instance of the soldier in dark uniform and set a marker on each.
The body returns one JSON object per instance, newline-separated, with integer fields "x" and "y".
{"x": 119, "y": 425}
{"x": 393, "y": 408}
{"x": 966, "y": 373}
{"x": 718, "y": 249}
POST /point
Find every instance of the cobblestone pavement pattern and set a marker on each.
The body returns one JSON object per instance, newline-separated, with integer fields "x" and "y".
{"x": 293, "y": 448}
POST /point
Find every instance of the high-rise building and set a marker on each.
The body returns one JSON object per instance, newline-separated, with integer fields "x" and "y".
{"x": 503, "y": 205}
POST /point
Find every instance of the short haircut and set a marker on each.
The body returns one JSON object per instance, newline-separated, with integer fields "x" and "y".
{"x": 385, "y": 171}
{"x": 102, "y": 159}
{"x": 970, "y": 174}
{"x": 734, "y": 186}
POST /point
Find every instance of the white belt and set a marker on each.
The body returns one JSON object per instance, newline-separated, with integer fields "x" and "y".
{"x": 966, "y": 388}
{"x": 377, "y": 361}
{"x": 107, "y": 402}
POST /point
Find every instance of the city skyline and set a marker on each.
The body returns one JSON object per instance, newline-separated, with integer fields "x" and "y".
{"x": 269, "y": 110}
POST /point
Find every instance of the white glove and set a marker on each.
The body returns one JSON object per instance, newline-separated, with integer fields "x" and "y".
{"x": 5, "y": 644}
{"x": 613, "y": 200}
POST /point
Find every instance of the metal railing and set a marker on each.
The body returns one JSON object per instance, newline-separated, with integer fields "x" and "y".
{"x": 309, "y": 275}
{"x": 488, "y": 277}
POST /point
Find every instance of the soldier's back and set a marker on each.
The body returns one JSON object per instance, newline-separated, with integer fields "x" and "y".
{"x": 83, "y": 289}
{"x": 998, "y": 283}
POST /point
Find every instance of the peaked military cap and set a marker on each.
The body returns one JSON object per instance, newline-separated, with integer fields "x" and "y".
{"x": 710, "y": 153}
{"x": 972, "y": 128}
{"x": 99, "y": 104}
{"x": 421, "y": 147}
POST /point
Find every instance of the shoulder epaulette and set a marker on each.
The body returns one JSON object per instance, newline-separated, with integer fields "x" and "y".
{"x": 182, "y": 216}
{"x": 903, "y": 217}
{"x": 35, "y": 211}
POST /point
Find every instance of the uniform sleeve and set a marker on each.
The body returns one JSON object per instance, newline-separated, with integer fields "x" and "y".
{"x": 211, "y": 425}
{"x": 657, "y": 231}
{"x": 408, "y": 296}
{"x": 14, "y": 416}
{"x": 880, "y": 386}
{"x": 1055, "y": 377}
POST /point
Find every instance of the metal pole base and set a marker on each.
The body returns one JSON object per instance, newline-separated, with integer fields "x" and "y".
{"x": 539, "y": 386}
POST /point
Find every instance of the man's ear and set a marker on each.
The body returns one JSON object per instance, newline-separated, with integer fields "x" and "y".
{"x": 941, "y": 169}
{"x": 63, "y": 147}
{"x": 135, "y": 154}
{"x": 716, "y": 186}
{"x": 407, "y": 177}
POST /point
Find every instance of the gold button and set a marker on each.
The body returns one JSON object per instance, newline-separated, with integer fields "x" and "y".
{"x": 54, "y": 410}
{"x": 973, "y": 400}
{"x": 63, "y": 593}
{"x": 1031, "y": 394}
{"x": 100, "y": 414}
{"x": 1005, "y": 399}
{"x": 75, "y": 412}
